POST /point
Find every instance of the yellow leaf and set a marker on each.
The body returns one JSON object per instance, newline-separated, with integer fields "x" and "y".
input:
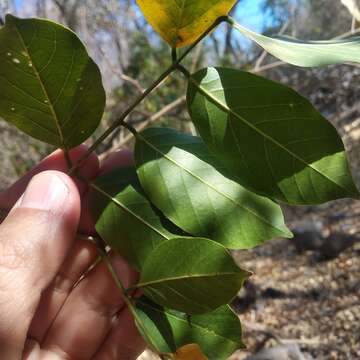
{"x": 190, "y": 352}
{"x": 182, "y": 22}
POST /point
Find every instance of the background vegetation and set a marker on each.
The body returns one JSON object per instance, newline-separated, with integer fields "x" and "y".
{"x": 129, "y": 54}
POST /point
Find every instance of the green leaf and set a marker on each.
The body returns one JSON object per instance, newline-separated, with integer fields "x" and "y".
{"x": 192, "y": 275}
{"x": 306, "y": 53}
{"x": 125, "y": 218}
{"x": 269, "y": 137}
{"x": 182, "y": 22}
{"x": 176, "y": 171}
{"x": 49, "y": 87}
{"x": 218, "y": 333}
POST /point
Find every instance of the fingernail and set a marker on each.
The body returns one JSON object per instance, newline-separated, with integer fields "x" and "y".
{"x": 46, "y": 191}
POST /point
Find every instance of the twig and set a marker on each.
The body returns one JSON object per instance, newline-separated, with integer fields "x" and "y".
{"x": 268, "y": 67}
{"x": 121, "y": 120}
{"x": 150, "y": 120}
{"x": 121, "y": 75}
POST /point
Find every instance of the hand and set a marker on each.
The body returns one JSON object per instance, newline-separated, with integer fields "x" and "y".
{"x": 51, "y": 305}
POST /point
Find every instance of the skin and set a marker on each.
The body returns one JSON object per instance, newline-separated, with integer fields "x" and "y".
{"x": 52, "y": 307}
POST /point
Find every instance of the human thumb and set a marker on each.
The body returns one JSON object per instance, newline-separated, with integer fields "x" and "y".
{"x": 34, "y": 241}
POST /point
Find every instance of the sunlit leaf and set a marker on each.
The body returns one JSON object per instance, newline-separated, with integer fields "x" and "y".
{"x": 177, "y": 173}
{"x": 307, "y": 53}
{"x": 181, "y": 22}
{"x": 218, "y": 333}
{"x": 49, "y": 86}
{"x": 269, "y": 137}
{"x": 192, "y": 275}
{"x": 125, "y": 218}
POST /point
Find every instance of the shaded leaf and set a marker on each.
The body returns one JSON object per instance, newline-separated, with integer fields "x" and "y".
{"x": 176, "y": 171}
{"x": 50, "y": 88}
{"x": 217, "y": 333}
{"x": 307, "y": 53}
{"x": 182, "y": 22}
{"x": 125, "y": 218}
{"x": 192, "y": 275}
{"x": 271, "y": 138}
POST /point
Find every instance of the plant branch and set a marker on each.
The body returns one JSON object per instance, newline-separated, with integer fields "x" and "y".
{"x": 121, "y": 120}
{"x": 150, "y": 119}
{"x": 105, "y": 258}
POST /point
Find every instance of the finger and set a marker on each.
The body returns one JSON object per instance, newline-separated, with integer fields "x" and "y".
{"x": 123, "y": 342}
{"x": 119, "y": 159}
{"x": 81, "y": 256}
{"x": 34, "y": 240}
{"x": 87, "y": 315}
{"x": 54, "y": 161}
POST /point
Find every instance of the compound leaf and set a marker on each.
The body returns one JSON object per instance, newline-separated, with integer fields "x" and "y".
{"x": 49, "y": 86}
{"x": 218, "y": 334}
{"x": 193, "y": 275}
{"x": 182, "y": 22}
{"x": 176, "y": 171}
{"x": 269, "y": 137}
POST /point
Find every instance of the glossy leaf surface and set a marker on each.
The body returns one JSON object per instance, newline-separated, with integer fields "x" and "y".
{"x": 49, "y": 86}
{"x": 125, "y": 218}
{"x": 193, "y": 275}
{"x": 177, "y": 173}
{"x": 217, "y": 333}
{"x": 271, "y": 138}
{"x": 307, "y": 53}
{"x": 181, "y": 22}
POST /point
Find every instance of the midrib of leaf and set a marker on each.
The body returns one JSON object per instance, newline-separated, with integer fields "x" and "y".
{"x": 122, "y": 206}
{"x": 182, "y": 8}
{"x": 228, "y": 110}
{"x": 195, "y": 325}
{"x": 185, "y": 277}
{"x": 37, "y": 73}
{"x": 207, "y": 184}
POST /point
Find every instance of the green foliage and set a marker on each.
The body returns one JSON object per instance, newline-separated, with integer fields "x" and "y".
{"x": 269, "y": 137}
{"x": 306, "y": 53}
{"x": 218, "y": 333}
{"x": 125, "y": 218}
{"x": 198, "y": 268}
{"x": 188, "y": 199}
{"x": 49, "y": 87}
{"x": 178, "y": 174}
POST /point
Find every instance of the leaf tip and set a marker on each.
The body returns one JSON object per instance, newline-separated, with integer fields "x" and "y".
{"x": 288, "y": 234}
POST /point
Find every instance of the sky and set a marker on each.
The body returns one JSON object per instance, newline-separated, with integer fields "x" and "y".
{"x": 249, "y": 13}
